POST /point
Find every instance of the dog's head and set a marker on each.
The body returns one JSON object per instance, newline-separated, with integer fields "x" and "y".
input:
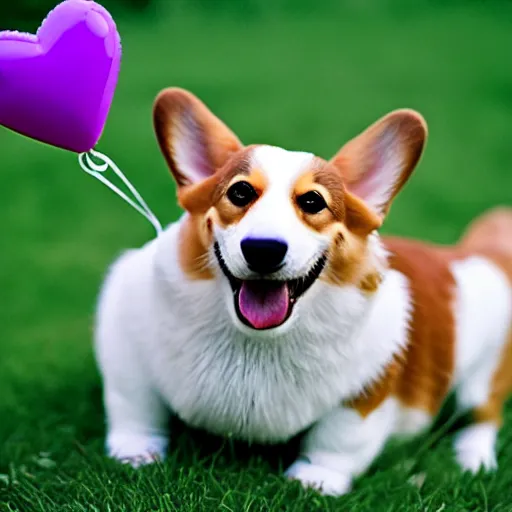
{"x": 273, "y": 222}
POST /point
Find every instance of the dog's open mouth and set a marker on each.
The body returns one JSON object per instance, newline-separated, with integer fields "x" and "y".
{"x": 266, "y": 303}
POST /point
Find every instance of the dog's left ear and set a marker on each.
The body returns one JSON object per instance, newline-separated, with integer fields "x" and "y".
{"x": 376, "y": 164}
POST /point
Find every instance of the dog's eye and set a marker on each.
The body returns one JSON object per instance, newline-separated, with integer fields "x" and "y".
{"x": 241, "y": 193}
{"x": 311, "y": 202}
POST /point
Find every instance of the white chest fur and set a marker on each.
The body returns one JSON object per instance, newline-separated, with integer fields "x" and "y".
{"x": 256, "y": 388}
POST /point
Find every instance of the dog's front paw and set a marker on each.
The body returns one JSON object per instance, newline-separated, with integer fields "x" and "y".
{"x": 475, "y": 448}
{"x": 136, "y": 449}
{"x": 324, "y": 480}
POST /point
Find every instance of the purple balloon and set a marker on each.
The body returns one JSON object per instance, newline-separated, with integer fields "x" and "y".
{"x": 57, "y": 86}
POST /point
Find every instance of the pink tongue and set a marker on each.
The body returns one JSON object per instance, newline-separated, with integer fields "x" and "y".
{"x": 263, "y": 304}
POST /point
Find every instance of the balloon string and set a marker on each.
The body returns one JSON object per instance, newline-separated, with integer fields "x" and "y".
{"x": 97, "y": 170}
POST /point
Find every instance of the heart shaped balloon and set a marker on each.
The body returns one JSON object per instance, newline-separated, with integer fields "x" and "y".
{"x": 57, "y": 86}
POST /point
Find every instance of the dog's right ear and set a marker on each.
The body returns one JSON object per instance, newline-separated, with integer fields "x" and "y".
{"x": 194, "y": 141}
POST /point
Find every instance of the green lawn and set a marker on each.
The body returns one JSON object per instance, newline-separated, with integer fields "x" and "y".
{"x": 308, "y": 81}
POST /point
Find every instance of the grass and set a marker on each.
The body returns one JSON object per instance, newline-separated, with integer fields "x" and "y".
{"x": 304, "y": 80}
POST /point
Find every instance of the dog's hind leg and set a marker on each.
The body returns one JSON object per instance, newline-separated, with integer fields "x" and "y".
{"x": 483, "y": 377}
{"x": 475, "y": 445}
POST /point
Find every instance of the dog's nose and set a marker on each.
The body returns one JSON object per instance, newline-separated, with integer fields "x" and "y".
{"x": 264, "y": 255}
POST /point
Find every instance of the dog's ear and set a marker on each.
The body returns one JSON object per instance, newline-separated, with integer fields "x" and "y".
{"x": 376, "y": 164}
{"x": 194, "y": 141}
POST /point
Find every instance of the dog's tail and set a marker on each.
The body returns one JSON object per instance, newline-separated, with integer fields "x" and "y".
{"x": 490, "y": 235}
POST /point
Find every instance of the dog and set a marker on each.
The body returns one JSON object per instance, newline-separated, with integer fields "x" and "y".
{"x": 273, "y": 307}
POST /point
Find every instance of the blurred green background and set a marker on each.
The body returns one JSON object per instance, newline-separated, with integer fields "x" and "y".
{"x": 299, "y": 74}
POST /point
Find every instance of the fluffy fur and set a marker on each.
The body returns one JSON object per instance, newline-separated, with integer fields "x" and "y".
{"x": 370, "y": 350}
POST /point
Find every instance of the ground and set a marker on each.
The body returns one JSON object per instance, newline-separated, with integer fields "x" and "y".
{"x": 298, "y": 79}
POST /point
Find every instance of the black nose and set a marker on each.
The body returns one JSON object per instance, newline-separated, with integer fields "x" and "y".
{"x": 264, "y": 255}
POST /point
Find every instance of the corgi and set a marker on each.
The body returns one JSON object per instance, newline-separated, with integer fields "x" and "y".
{"x": 273, "y": 307}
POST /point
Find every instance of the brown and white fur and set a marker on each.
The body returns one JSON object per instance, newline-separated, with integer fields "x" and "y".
{"x": 371, "y": 349}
